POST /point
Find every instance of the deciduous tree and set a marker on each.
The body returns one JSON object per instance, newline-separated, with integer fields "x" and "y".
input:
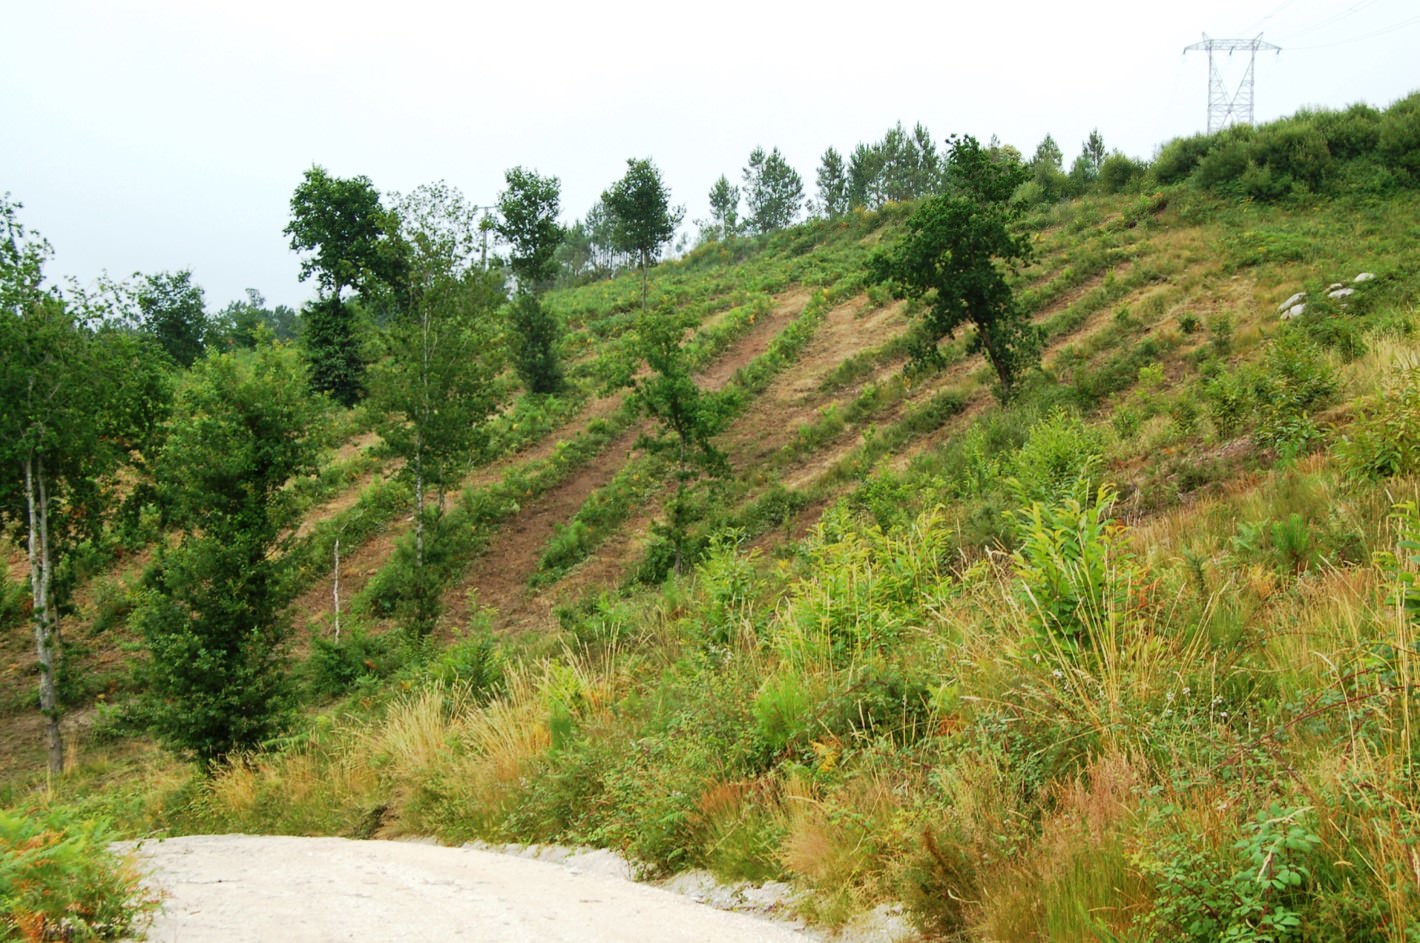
{"x": 437, "y": 384}
{"x": 69, "y": 421}
{"x": 343, "y": 229}
{"x": 642, "y": 219}
{"x": 214, "y": 619}
{"x": 954, "y": 256}
{"x": 173, "y": 311}
{"x": 689, "y": 417}
{"x": 527, "y": 222}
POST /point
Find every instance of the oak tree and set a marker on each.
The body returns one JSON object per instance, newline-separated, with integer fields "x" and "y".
{"x": 954, "y": 256}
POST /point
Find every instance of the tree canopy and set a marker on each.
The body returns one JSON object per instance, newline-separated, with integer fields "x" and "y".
{"x": 172, "y": 309}
{"x": 641, "y": 216}
{"x": 954, "y": 256}
{"x": 527, "y": 222}
{"x": 774, "y": 191}
{"x": 342, "y": 227}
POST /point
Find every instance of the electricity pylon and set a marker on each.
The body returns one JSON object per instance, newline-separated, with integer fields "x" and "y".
{"x": 1225, "y": 108}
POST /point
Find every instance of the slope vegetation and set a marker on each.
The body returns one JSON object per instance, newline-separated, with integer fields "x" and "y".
{"x": 1130, "y": 658}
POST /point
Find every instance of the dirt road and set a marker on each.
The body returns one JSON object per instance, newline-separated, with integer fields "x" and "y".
{"x": 256, "y": 889}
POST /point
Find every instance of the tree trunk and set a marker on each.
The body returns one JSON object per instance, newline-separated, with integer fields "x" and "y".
{"x": 335, "y": 590}
{"x": 41, "y": 585}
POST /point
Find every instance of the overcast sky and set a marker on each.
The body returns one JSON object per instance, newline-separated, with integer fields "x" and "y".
{"x": 158, "y": 135}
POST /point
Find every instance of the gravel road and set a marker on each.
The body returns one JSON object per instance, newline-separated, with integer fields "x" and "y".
{"x": 256, "y": 889}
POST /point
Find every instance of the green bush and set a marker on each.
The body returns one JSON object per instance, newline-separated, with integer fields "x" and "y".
{"x": 336, "y": 666}
{"x": 1227, "y": 161}
{"x": 1069, "y": 567}
{"x": 1398, "y": 141}
{"x": 60, "y": 880}
{"x": 1255, "y": 892}
{"x": 1230, "y": 399}
{"x": 1119, "y": 173}
{"x": 1060, "y": 451}
{"x": 1350, "y": 134}
{"x": 1384, "y": 441}
{"x": 1296, "y": 380}
{"x": 1178, "y": 158}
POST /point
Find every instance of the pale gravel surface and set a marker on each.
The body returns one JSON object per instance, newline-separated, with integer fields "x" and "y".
{"x": 256, "y": 889}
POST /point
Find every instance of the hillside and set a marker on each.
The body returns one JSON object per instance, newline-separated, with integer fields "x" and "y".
{"x": 1131, "y": 657}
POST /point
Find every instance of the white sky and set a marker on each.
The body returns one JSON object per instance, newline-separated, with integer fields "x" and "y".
{"x": 153, "y": 135}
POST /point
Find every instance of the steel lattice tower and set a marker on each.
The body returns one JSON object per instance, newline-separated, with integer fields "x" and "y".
{"x": 1225, "y": 108}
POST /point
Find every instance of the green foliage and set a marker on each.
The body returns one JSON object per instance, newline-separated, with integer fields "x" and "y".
{"x": 250, "y": 322}
{"x": 1059, "y": 453}
{"x": 527, "y": 222}
{"x": 1398, "y": 141}
{"x": 172, "y": 310}
{"x": 333, "y": 350}
{"x": 337, "y": 666}
{"x": 1296, "y": 379}
{"x": 213, "y": 619}
{"x": 1402, "y": 565}
{"x": 1256, "y": 894}
{"x": 1072, "y": 569}
{"x": 1120, "y": 173}
{"x": 642, "y": 220}
{"x": 79, "y": 403}
{"x": 346, "y": 231}
{"x": 1231, "y": 399}
{"x": 1311, "y": 152}
{"x": 535, "y": 333}
{"x": 832, "y": 185}
{"x": 689, "y": 418}
{"x": 61, "y": 880}
{"x": 724, "y": 209}
{"x": 1384, "y": 440}
{"x": 773, "y": 191}
{"x": 948, "y": 258}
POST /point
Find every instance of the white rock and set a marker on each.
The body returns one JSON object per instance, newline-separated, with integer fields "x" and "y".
{"x": 1341, "y": 294}
{"x": 1296, "y": 311}
{"x": 1333, "y": 286}
{"x": 1292, "y": 301}
{"x": 1364, "y": 277}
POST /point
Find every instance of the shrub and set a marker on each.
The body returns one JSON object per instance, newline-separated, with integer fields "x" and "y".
{"x": 337, "y": 666}
{"x": 1255, "y": 894}
{"x": 1352, "y": 133}
{"x": 61, "y": 880}
{"x": 1179, "y": 157}
{"x": 1119, "y": 172}
{"x": 1227, "y": 161}
{"x": 1059, "y": 452}
{"x": 1230, "y": 401}
{"x": 1068, "y": 567}
{"x": 1398, "y": 140}
{"x": 1296, "y": 380}
{"x": 1384, "y": 441}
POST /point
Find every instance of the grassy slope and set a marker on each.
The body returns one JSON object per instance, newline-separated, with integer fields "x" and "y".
{"x": 863, "y": 693}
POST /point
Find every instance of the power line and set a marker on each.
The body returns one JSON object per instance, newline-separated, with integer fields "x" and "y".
{"x": 1225, "y": 108}
{"x": 1356, "y": 39}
